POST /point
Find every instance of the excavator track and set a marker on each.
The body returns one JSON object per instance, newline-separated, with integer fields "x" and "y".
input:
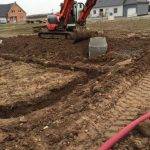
{"x": 53, "y": 35}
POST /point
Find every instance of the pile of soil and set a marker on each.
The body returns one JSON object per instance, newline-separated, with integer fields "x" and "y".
{"x": 62, "y": 51}
{"x": 50, "y": 49}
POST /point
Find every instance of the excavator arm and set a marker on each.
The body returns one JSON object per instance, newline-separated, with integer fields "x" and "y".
{"x": 86, "y": 11}
{"x": 67, "y": 7}
{"x": 66, "y": 11}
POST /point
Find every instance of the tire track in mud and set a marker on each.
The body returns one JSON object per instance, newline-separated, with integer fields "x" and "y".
{"x": 108, "y": 119}
{"x": 99, "y": 118}
{"x": 111, "y": 116}
{"x": 126, "y": 109}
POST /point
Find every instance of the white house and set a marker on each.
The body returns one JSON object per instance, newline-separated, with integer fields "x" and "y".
{"x": 135, "y": 8}
{"x": 120, "y": 8}
{"x": 149, "y": 5}
{"x": 108, "y": 8}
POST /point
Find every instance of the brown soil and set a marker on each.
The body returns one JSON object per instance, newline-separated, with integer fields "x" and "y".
{"x": 81, "y": 111}
{"x": 63, "y": 51}
{"x": 22, "y": 81}
{"x": 26, "y": 85}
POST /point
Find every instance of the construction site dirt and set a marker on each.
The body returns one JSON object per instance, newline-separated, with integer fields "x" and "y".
{"x": 53, "y": 97}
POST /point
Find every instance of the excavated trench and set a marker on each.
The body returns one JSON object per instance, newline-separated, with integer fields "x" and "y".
{"x": 51, "y": 97}
{"x": 48, "y": 99}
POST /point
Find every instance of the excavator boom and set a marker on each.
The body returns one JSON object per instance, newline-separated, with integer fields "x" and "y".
{"x": 86, "y": 11}
{"x": 67, "y": 8}
{"x": 66, "y": 11}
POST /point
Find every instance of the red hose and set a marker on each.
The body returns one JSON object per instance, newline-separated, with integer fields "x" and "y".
{"x": 121, "y": 134}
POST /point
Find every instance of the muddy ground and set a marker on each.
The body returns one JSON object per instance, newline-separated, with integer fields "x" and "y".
{"x": 67, "y": 101}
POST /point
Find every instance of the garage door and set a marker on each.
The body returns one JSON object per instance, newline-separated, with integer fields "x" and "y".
{"x": 131, "y": 12}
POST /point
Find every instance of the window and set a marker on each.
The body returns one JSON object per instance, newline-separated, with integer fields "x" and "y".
{"x": 94, "y": 12}
{"x": 19, "y": 10}
{"x": 101, "y": 10}
{"x": 81, "y": 5}
{"x": 13, "y": 11}
{"x": 115, "y": 10}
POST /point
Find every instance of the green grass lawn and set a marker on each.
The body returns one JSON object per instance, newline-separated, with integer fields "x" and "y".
{"x": 120, "y": 25}
{"x": 7, "y": 30}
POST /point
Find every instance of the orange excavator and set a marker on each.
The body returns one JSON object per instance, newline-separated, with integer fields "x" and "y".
{"x": 72, "y": 17}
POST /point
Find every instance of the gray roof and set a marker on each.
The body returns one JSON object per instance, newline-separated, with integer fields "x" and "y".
{"x": 108, "y": 3}
{"x": 127, "y": 2}
{"x": 4, "y": 9}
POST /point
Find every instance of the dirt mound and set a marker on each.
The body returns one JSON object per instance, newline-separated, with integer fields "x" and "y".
{"x": 63, "y": 51}
{"x": 51, "y": 49}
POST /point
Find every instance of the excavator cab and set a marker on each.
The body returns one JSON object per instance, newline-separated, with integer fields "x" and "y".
{"x": 75, "y": 13}
{"x": 52, "y": 22}
{"x": 55, "y": 23}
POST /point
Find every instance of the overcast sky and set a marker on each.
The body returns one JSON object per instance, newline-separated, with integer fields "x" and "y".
{"x": 37, "y": 6}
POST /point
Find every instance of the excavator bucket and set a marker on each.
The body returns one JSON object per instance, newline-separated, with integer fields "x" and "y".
{"x": 80, "y": 35}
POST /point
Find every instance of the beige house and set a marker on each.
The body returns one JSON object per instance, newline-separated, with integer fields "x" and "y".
{"x": 11, "y": 13}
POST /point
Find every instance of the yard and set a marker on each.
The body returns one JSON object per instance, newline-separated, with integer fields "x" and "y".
{"x": 7, "y": 30}
{"x": 53, "y": 97}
